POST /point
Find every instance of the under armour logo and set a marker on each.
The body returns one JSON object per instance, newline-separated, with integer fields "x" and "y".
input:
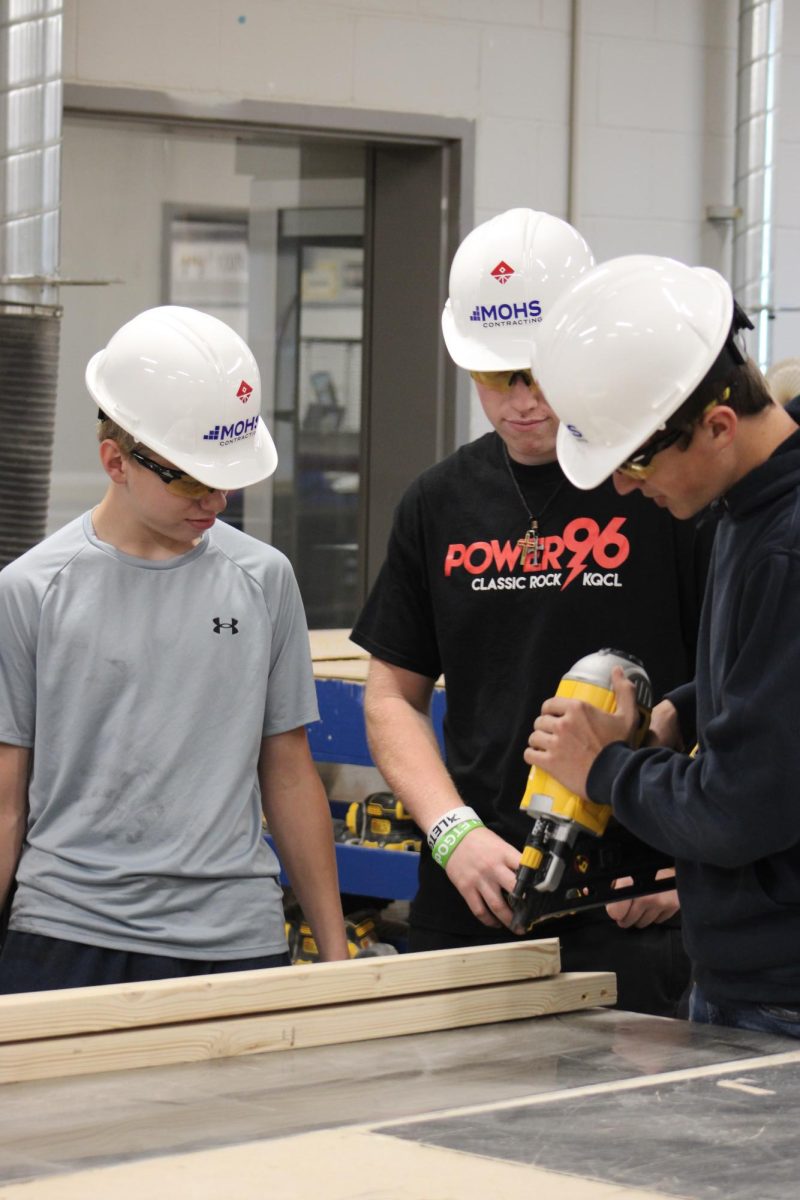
{"x": 220, "y": 625}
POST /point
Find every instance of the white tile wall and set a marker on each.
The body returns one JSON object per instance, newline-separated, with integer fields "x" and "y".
{"x": 301, "y": 52}
{"x": 508, "y": 12}
{"x": 173, "y": 44}
{"x": 551, "y": 169}
{"x": 524, "y": 73}
{"x": 719, "y": 91}
{"x": 69, "y": 43}
{"x": 649, "y": 85}
{"x": 386, "y": 6}
{"x": 417, "y": 66}
{"x": 787, "y": 281}
{"x": 507, "y": 166}
{"x": 612, "y": 236}
{"x": 556, "y": 14}
{"x": 718, "y": 170}
{"x": 620, "y": 18}
{"x": 791, "y": 27}
{"x": 789, "y": 87}
{"x": 785, "y": 336}
{"x": 657, "y": 94}
{"x": 787, "y": 184}
{"x": 711, "y": 23}
{"x": 786, "y": 326}
{"x": 638, "y": 174}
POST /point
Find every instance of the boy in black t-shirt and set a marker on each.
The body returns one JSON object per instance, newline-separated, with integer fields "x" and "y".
{"x": 500, "y": 574}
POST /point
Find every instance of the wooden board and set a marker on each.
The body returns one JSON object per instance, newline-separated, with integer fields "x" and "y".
{"x": 330, "y": 1164}
{"x": 167, "y": 1001}
{"x": 330, "y": 1025}
{"x": 334, "y": 656}
{"x": 334, "y": 643}
{"x": 354, "y": 670}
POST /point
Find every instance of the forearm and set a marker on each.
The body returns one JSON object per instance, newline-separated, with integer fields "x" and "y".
{"x": 12, "y": 833}
{"x": 481, "y": 866}
{"x": 14, "y": 764}
{"x": 299, "y": 821}
{"x": 310, "y": 863}
{"x": 406, "y": 752}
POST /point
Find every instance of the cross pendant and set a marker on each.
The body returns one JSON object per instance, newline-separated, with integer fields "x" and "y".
{"x": 529, "y": 545}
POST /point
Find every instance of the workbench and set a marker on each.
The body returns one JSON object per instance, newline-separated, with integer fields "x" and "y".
{"x": 592, "y": 1105}
{"x": 598, "y": 1105}
{"x": 340, "y": 672}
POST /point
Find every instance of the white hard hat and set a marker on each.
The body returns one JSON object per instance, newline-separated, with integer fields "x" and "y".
{"x": 187, "y": 386}
{"x": 505, "y": 276}
{"x": 620, "y": 352}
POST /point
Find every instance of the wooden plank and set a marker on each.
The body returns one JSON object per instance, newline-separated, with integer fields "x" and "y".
{"x": 126, "y": 1006}
{"x": 201, "y": 1040}
{"x": 354, "y": 670}
{"x": 334, "y": 643}
{"x": 328, "y": 1164}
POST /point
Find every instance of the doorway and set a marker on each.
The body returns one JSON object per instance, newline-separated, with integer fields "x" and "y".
{"x": 328, "y": 251}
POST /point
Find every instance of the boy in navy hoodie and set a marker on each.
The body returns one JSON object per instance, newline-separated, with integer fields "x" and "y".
{"x": 677, "y": 411}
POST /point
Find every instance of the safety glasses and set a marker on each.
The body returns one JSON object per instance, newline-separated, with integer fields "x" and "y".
{"x": 640, "y": 465}
{"x": 502, "y": 381}
{"x": 178, "y": 482}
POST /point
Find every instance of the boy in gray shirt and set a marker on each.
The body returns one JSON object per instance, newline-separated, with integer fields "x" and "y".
{"x": 155, "y": 682}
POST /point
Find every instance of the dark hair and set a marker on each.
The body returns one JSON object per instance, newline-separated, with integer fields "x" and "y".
{"x": 733, "y": 379}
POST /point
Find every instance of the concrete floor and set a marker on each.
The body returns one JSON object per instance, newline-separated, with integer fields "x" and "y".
{"x": 628, "y": 1104}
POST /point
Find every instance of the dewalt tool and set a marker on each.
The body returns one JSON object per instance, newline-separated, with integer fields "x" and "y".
{"x": 381, "y": 821}
{"x": 361, "y": 929}
{"x": 576, "y": 850}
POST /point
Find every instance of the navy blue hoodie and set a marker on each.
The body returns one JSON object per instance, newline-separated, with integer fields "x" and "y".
{"x": 731, "y": 815}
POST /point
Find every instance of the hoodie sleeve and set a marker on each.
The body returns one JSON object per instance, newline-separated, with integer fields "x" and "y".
{"x": 737, "y": 801}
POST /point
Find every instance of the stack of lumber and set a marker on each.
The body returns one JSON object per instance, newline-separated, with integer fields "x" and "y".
{"x": 79, "y": 1031}
{"x": 335, "y": 657}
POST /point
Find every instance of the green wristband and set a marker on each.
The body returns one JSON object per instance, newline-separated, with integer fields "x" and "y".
{"x": 444, "y": 846}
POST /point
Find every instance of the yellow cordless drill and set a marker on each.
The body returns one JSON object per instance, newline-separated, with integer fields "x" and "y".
{"x": 560, "y": 817}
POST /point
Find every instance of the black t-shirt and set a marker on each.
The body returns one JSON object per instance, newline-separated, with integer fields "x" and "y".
{"x": 453, "y": 597}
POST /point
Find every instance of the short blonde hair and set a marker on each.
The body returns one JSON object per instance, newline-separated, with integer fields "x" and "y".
{"x": 106, "y": 428}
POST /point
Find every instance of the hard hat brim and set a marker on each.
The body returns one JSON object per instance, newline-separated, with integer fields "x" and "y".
{"x": 465, "y": 353}
{"x": 239, "y": 469}
{"x": 588, "y": 466}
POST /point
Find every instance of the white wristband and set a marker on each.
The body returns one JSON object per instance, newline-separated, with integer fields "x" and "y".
{"x": 448, "y": 819}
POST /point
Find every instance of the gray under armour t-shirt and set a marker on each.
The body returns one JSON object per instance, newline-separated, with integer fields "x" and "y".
{"x": 145, "y": 689}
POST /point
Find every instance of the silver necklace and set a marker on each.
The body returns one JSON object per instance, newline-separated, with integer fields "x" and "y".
{"x": 529, "y": 544}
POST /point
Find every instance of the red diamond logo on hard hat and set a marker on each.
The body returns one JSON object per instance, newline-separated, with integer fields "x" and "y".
{"x": 244, "y": 392}
{"x": 503, "y": 272}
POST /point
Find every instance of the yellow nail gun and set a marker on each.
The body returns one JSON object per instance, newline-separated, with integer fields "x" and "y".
{"x": 576, "y": 850}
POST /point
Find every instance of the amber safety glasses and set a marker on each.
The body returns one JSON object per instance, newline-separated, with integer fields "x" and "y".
{"x": 178, "y": 482}
{"x": 502, "y": 381}
{"x": 640, "y": 465}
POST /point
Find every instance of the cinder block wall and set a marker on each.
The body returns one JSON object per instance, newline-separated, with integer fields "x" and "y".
{"x": 657, "y": 97}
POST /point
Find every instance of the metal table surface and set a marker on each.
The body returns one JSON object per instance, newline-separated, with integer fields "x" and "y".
{"x": 626, "y": 1104}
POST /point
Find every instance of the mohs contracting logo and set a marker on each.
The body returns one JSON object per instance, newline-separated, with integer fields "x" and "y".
{"x": 237, "y": 432}
{"x": 526, "y": 312}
